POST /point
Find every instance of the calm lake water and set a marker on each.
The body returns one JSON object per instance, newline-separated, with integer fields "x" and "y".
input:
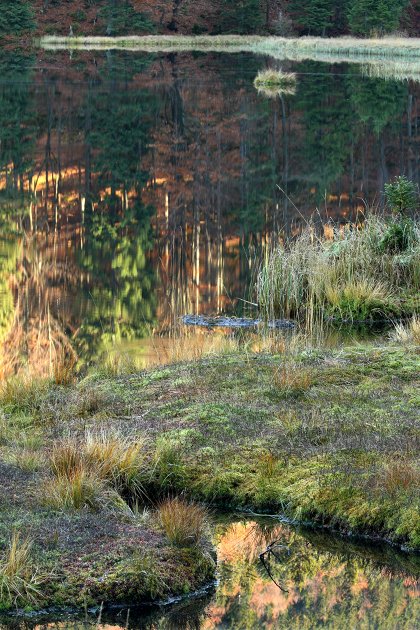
{"x": 322, "y": 582}
{"x": 135, "y": 188}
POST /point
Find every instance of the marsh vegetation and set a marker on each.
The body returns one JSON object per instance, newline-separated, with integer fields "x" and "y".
{"x": 162, "y": 183}
{"x": 284, "y": 432}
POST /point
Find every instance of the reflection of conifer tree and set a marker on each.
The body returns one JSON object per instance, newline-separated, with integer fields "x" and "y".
{"x": 17, "y": 139}
{"x": 379, "y": 105}
{"x": 16, "y": 16}
{"x": 17, "y": 115}
{"x": 120, "y": 302}
{"x": 328, "y": 121}
{"x": 378, "y": 102}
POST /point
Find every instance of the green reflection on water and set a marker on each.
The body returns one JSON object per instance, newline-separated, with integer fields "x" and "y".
{"x": 135, "y": 188}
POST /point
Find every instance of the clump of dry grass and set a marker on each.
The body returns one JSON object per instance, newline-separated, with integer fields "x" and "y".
{"x": 20, "y": 579}
{"x": 273, "y": 83}
{"x": 66, "y": 458}
{"x": 27, "y": 459}
{"x": 184, "y": 523}
{"x": 23, "y": 393}
{"x": 119, "y": 364}
{"x": 357, "y": 298}
{"x": 89, "y": 401}
{"x": 64, "y": 368}
{"x": 76, "y": 490}
{"x": 4, "y": 429}
{"x": 400, "y": 475}
{"x": 407, "y": 333}
{"x": 85, "y": 471}
{"x": 292, "y": 380}
{"x": 73, "y": 483}
{"x": 116, "y": 459}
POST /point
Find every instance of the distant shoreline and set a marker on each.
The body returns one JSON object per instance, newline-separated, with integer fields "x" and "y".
{"x": 345, "y": 46}
{"x": 389, "y": 58}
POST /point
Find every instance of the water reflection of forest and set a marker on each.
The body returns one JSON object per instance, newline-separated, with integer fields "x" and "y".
{"x": 327, "y": 582}
{"x": 134, "y": 187}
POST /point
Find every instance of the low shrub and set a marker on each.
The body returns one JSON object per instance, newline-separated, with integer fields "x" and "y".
{"x": 399, "y": 236}
{"x": 402, "y": 195}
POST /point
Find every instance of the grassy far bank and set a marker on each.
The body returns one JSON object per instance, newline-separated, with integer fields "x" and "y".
{"x": 330, "y": 437}
{"x": 397, "y": 58}
{"x": 279, "y": 47}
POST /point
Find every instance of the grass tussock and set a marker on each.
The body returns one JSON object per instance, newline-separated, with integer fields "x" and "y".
{"x": 20, "y": 580}
{"x": 116, "y": 459}
{"x": 76, "y": 490}
{"x": 22, "y": 394}
{"x": 27, "y": 459}
{"x": 273, "y": 82}
{"x": 119, "y": 365}
{"x": 354, "y": 273}
{"x": 64, "y": 368}
{"x": 86, "y": 471}
{"x": 291, "y": 380}
{"x": 364, "y": 297}
{"x": 408, "y": 333}
{"x": 400, "y": 475}
{"x": 183, "y": 522}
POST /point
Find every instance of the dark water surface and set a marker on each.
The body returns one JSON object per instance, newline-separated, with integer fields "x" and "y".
{"x": 135, "y": 188}
{"x": 322, "y": 582}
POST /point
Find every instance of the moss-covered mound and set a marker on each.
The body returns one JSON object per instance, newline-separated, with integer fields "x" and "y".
{"x": 329, "y": 437}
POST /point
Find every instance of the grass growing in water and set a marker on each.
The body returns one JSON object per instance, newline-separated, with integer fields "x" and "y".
{"x": 275, "y": 82}
{"x": 276, "y": 78}
{"x": 357, "y": 273}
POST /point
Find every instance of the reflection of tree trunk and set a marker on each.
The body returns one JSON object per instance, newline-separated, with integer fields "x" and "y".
{"x": 88, "y": 152}
{"x": 177, "y": 106}
{"x": 285, "y": 137}
{"x": 409, "y": 134}
{"x": 196, "y": 231}
{"x": 383, "y": 176}
{"x": 173, "y": 24}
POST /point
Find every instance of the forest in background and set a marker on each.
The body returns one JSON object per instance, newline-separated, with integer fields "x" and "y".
{"x": 275, "y": 17}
